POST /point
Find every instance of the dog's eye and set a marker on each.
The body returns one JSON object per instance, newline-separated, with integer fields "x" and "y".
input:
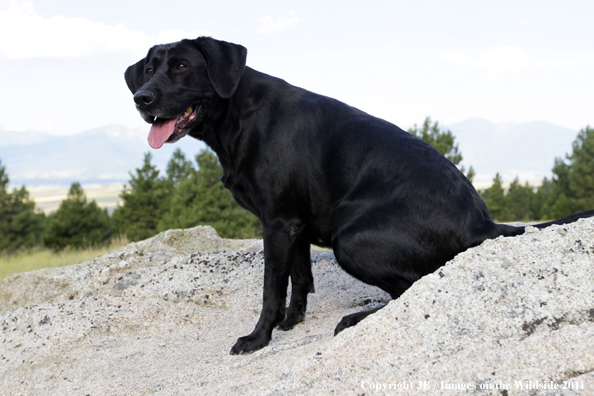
{"x": 181, "y": 67}
{"x": 149, "y": 72}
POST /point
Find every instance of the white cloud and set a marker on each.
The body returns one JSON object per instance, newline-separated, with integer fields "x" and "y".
{"x": 25, "y": 34}
{"x": 46, "y": 125}
{"x": 7, "y": 128}
{"x": 512, "y": 60}
{"x": 267, "y": 24}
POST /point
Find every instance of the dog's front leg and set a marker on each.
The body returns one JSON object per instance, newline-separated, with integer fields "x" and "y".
{"x": 279, "y": 248}
{"x": 302, "y": 283}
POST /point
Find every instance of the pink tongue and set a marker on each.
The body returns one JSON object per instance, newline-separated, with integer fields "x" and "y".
{"x": 160, "y": 132}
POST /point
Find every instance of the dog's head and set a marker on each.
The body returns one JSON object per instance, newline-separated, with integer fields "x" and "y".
{"x": 174, "y": 85}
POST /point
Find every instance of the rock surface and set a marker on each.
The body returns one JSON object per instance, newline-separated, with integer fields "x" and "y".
{"x": 511, "y": 316}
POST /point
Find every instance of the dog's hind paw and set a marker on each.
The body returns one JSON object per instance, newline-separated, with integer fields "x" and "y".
{"x": 353, "y": 319}
{"x": 347, "y": 321}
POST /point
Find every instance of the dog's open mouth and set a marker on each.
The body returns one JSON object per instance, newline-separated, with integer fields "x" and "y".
{"x": 173, "y": 129}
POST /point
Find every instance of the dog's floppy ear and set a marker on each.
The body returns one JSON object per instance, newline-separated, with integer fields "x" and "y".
{"x": 224, "y": 62}
{"x": 135, "y": 76}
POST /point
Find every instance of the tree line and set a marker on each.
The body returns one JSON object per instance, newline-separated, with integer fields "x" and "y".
{"x": 570, "y": 190}
{"x": 191, "y": 193}
{"x": 186, "y": 195}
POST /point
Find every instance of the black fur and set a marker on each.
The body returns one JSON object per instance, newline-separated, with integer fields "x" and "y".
{"x": 317, "y": 171}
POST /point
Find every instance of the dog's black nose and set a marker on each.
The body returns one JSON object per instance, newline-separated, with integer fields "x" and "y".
{"x": 144, "y": 97}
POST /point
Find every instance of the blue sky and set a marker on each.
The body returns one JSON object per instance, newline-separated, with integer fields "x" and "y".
{"x": 62, "y": 62}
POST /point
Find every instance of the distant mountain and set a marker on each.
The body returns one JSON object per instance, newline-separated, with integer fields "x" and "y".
{"x": 103, "y": 155}
{"x": 107, "y": 154}
{"x": 13, "y": 136}
{"x": 526, "y": 150}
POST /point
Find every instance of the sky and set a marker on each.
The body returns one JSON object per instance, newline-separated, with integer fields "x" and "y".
{"x": 62, "y": 63}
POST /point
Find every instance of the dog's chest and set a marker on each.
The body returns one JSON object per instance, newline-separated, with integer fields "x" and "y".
{"x": 241, "y": 193}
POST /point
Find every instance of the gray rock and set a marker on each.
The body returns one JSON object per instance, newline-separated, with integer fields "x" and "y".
{"x": 160, "y": 316}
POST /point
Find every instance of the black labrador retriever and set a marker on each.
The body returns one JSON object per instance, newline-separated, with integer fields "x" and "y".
{"x": 315, "y": 171}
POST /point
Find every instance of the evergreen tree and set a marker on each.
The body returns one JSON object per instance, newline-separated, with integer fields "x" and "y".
{"x": 78, "y": 223}
{"x": 201, "y": 199}
{"x": 560, "y": 186}
{"x": 146, "y": 199}
{"x": 561, "y": 177}
{"x": 518, "y": 200}
{"x": 539, "y": 207}
{"x": 178, "y": 168}
{"x": 21, "y": 225}
{"x": 570, "y": 190}
{"x": 572, "y": 186}
{"x": 3, "y": 179}
{"x": 581, "y": 171}
{"x": 442, "y": 141}
{"x": 496, "y": 201}
{"x": 563, "y": 206}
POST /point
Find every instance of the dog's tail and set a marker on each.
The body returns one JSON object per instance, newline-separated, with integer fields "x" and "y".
{"x": 509, "y": 230}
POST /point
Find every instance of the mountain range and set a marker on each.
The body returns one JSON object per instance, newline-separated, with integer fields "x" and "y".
{"x": 527, "y": 150}
{"x": 103, "y": 155}
{"x": 108, "y": 154}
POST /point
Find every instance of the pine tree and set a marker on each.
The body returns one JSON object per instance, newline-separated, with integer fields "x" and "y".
{"x": 572, "y": 186}
{"x": 78, "y": 223}
{"x": 442, "y": 141}
{"x": 539, "y": 207}
{"x": 563, "y": 206}
{"x": 495, "y": 199}
{"x": 518, "y": 200}
{"x": 581, "y": 171}
{"x": 560, "y": 187}
{"x": 3, "y": 179}
{"x": 201, "y": 199}
{"x": 146, "y": 199}
{"x": 21, "y": 226}
{"x": 178, "y": 168}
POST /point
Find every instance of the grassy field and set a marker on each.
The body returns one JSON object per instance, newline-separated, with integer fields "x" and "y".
{"x": 49, "y": 197}
{"x": 37, "y": 258}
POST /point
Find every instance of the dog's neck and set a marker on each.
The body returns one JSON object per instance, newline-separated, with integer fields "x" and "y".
{"x": 223, "y": 131}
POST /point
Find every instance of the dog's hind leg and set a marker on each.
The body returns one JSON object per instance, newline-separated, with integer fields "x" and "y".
{"x": 362, "y": 263}
{"x": 353, "y": 319}
{"x": 301, "y": 284}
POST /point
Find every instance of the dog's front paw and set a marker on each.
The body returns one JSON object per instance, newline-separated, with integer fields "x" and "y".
{"x": 249, "y": 344}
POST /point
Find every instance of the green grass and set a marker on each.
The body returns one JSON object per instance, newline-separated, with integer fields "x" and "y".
{"x": 37, "y": 258}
